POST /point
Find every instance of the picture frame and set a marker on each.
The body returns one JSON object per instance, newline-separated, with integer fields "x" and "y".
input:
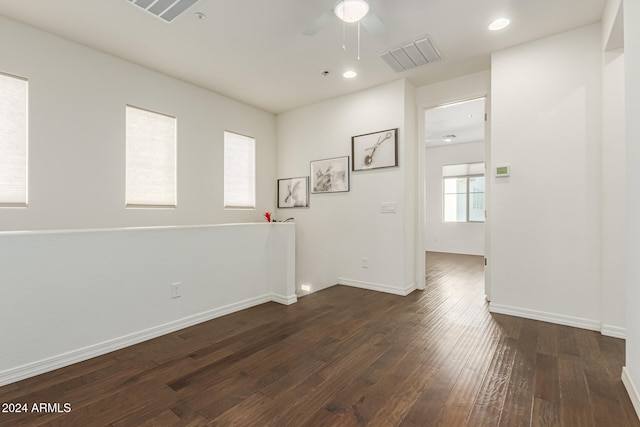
{"x": 330, "y": 175}
{"x": 293, "y": 192}
{"x": 375, "y": 150}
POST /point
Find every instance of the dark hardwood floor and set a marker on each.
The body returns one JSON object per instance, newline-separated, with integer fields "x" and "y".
{"x": 350, "y": 357}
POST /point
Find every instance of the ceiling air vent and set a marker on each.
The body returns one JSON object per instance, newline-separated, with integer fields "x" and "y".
{"x": 411, "y": 55}
{"x": 167, "y": 10}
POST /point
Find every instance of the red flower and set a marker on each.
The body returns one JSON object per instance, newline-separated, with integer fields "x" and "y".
{"x": 267, "y": 216}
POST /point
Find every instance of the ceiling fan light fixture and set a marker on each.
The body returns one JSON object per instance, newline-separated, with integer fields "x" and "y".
{"x": 351, "y": 10}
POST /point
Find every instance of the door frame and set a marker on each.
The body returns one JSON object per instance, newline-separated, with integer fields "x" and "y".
{"x": 426, "y": 101}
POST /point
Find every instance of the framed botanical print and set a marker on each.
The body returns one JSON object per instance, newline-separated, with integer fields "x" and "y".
{"x": 293, "y": 192}
{"x": 330, "y": 175}
{"x": 375, "y": 150}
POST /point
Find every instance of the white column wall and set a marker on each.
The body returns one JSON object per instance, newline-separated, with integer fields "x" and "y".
{"x": 631, "y": 374}
{"x": 546, "y": 220}
{"x": 614, "y": 222}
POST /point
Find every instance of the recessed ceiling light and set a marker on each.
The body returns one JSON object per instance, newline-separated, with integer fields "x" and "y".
{"x": 499, "y": 24}
{"x": 200, "y": 15}
{"x": 349, "y": 74}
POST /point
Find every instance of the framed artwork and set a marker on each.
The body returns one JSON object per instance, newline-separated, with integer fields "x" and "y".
{"x": 375, "y": 150}
{"x": 330, "y": 175}
{"x": 293, "y": 192}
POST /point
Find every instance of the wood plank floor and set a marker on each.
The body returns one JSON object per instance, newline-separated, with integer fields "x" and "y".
{"x": 349, "y": 357}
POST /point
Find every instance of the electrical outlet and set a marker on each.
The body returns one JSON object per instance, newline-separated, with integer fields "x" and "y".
{"x": 365, "y": 262}
{"x": 175, "y": 290}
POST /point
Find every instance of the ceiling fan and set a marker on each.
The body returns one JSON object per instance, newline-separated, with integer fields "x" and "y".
{"x": 349, "y": 11}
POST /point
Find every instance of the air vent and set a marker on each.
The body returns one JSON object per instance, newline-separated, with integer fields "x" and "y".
{"x": 411, "y": 55}
{"x": 167, "y": 10}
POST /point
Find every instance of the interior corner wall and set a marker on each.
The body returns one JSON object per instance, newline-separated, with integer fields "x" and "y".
{"x": 339, "y": 229}
{"x": 546, "y": 220}
{"x": 77, "y": 99}
{"x": 458, "y": 238}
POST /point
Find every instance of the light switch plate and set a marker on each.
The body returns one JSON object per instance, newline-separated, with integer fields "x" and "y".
{"x": 388, "y": 207}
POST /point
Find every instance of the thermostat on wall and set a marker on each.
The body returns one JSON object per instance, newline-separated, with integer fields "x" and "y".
{"x": 502, "y": 171}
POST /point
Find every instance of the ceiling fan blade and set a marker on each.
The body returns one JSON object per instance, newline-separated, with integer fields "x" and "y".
{"x": 373, "y": 24}
{"x": 319, "y": 24}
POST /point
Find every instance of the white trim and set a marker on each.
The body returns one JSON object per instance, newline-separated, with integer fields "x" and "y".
{"x": 631, "y": 390}
{"x": 559, "y": 319}
{"x": 49, "y": 364}
{"x": 614, "y": 331}
{"x": 142, "y": 228}
{"x": 378, "y": 287}
{"x": 284, "y": 299}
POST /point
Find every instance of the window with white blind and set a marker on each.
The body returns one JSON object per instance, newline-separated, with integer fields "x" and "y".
{"x": 239, "y": 171}
{"x": 463, "y": 192}
{"x": 13, "y": 140}
{"x": 150, "y": 159}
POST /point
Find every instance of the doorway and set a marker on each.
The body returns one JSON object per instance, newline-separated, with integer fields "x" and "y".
{"x": 455, "y": 186}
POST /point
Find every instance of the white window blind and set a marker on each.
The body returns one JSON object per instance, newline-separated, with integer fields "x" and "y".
{"x": 464, "y": 169}
{"x": 13, "y": 140}
{"x": 239, "y": 171}
{"x": 150, "y": 158}
{"x": 463, "y": 192}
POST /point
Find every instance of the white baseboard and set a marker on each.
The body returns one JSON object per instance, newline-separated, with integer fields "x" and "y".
{"x": 284, "y": 299}
{"x": 59, "y": 361}
{"x": 613, "y": 331}
{"x": 559, "y": 319}
{"x": 631, "y": 390}
{"x": 378, "y": 287}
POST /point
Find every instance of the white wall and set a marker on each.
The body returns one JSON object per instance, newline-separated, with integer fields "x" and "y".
{"x": 72, "y": 295}
{"x": 631, "y": 375}
{"x": 339, "y": 229}
{"x": 77, "y": 99}
{"x": 546, "y": 221}
{"x": 452, "y": 237}
{"x": 413, "y": 255}
{"x": 614, "y": 224}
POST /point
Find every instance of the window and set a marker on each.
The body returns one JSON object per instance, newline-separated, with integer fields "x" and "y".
{"x": 13, "y": 140}
{"x": 463, "y": 186}
{"x": 150, "y": 159}
{"x": 239, "y": 171}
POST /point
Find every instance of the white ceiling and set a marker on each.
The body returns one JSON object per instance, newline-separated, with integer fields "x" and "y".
{"x": 457, "y": 123}
{"x": 255, "y": 50}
